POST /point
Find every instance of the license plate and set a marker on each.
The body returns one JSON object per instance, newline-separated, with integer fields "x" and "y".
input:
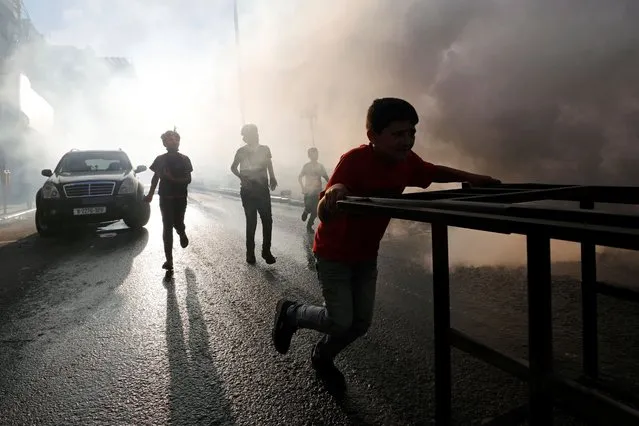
{"x": 89, "y": 210}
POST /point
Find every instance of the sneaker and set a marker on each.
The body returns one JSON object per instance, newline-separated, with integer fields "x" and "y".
{"x": 330, "y": 376}
{"x": 184, "y": 240}
{"x": 304, "y": 216}
{"x": 250, "y": 258}
{"x": 268, "y": 257}
{"x": 168, "y": 265}
{"x": 282, "y": 331}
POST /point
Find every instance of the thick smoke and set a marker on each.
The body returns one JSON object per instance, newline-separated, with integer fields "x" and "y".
{"x": 526, "y": 90}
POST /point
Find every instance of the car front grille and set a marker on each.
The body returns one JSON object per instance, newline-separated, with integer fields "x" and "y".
{"x": 89, "y": 189}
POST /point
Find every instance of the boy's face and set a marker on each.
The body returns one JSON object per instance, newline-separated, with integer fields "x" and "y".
{"x": 251, "y": 137}
{"x": 313, "y": 155}
{"x": 395, "y": 141}
{"x": 171, "y": 142}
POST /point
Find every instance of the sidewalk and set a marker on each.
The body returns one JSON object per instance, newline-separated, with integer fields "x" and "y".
{"x": 17, "y": 229}
{"x": 13, "y": 210}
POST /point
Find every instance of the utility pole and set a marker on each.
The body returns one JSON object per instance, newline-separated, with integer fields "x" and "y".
{"x": 240, "y": 79}
{"x": 311, "y": 116}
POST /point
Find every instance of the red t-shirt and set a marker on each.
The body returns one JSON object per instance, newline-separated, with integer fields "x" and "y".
{"x": 353, "y": 238}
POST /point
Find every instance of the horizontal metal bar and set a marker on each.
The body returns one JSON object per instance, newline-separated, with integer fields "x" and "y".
{"x": 601, "y": 235}
{"x": 620, "y": 390}
{"x": 591, "y": 404}
{"x": 613, "y": 194}
{"x": 618, "y": 292}
{"x": 517, "y": 368}
{"x": 595, "y": 193}
{"x": 567, "y": 193}
{"x": 523, "y": 185}
{"x": 582, "y": 216}
{"x": 433, "y": 195}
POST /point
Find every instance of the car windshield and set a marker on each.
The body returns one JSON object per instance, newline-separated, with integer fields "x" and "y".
{"x": 87, "y": 162}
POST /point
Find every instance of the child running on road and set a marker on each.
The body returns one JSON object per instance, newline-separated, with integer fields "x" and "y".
{"x": 310, "y": 180}
{"x": 173, "y": 172}
{"x": 346, "y": 246}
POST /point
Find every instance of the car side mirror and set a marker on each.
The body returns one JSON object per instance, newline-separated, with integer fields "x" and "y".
{"x": 47, "y": 173}
{"x": 140, "y": 169}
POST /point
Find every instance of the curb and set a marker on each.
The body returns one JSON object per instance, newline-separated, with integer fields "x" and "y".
{"x": 236, "y": 194}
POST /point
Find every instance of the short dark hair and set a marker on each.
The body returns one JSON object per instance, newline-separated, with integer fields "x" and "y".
{"x": 384, "y": 111}
{"x": 168, "y": 133}
{"x": 249, "y": 129}
{"x": 311, "y": 150}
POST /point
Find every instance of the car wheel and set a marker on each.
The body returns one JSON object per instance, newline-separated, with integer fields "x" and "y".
{"x": 140, "y": 218}
{"x": 42, "y": 226}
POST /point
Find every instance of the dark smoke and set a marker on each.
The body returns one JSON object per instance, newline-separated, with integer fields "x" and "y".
{"x": 532, "y": 90}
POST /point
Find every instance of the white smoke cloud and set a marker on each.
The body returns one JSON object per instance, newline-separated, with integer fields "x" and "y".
{"x": 524, "y": 89}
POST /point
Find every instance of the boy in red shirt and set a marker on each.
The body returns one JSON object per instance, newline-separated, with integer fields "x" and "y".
{"x": 346, "y": 246}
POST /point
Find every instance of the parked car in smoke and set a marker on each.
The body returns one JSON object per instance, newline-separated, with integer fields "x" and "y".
{"x": 91, "y": 187}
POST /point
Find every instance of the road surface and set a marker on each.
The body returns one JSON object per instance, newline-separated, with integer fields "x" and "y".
{"x": 91, "y": 333}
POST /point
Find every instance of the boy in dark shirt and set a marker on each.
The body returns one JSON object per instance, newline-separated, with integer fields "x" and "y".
{"x": 173, "y": 172}
{"x": 310, "y": 180}
{"x": 346, "y": 246}
{"x": 256, "y": 168}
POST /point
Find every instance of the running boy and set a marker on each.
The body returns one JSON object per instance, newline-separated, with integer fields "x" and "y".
{"x": 346, "y": 246}
{"x": 310, "y": 180}
{"x": 173, "y": 172}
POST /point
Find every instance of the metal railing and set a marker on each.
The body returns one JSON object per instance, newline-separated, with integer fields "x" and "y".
{"x": 494, "y": 209}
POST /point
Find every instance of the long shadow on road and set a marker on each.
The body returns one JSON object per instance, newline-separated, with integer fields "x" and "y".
{"x": 56, "y": 270}
{"x": 196, "y": 393}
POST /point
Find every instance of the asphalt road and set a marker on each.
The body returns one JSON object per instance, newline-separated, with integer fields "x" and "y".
{"x": 91, "y": 333}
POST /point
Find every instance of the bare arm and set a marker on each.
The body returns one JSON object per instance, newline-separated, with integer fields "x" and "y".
{"x": 325, "y": 174}
{"x": 234, "y": 165}
{"x": 443, "y": 174}
{"x": 154, "y": 184}
{"x": 327, "y": 206}
{"x": 322, "y": 213}
{"x": 300, "y": 178}
{"x": 271, "y": 173}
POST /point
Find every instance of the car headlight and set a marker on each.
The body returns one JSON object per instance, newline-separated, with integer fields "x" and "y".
{"x": 127, "y": 187}
{"x": 49, "y": 190}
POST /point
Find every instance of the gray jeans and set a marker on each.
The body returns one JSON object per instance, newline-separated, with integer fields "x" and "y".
{"x": 349, "y": 295}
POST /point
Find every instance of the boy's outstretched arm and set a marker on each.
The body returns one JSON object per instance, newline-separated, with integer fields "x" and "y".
{"x": 444, "y": 174}
{"x": 424, "y": 173}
